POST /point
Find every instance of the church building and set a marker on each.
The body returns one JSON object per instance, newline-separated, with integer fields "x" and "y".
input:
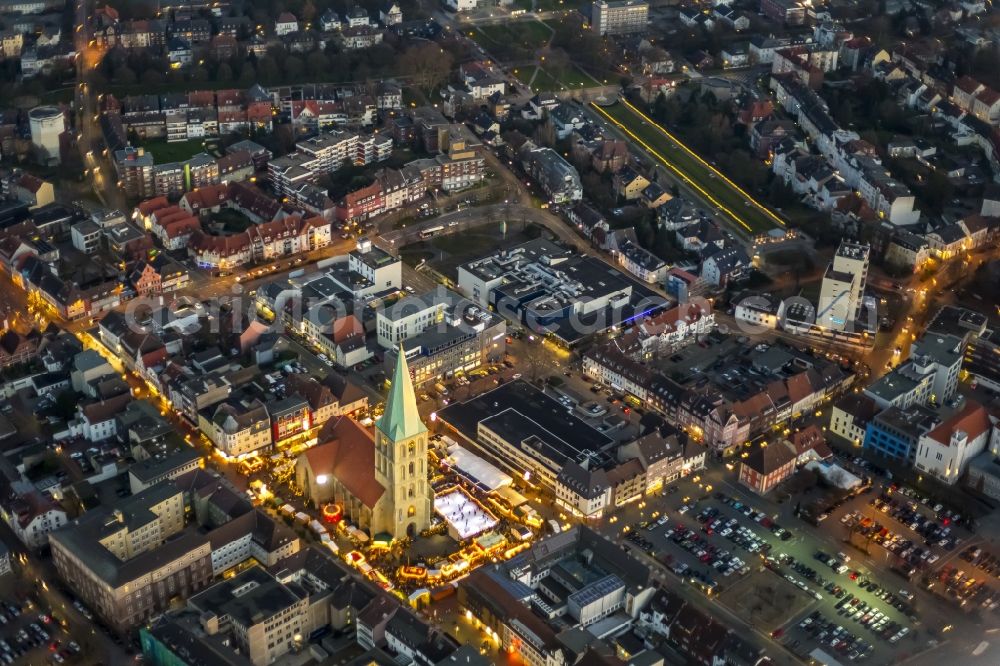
{"x": 381, "y": 481}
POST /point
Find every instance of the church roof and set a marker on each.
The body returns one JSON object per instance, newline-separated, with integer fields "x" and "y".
{"x": 401, "y": 420}
{"x": 347, "y": 452}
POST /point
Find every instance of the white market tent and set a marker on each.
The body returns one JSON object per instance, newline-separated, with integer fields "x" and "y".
{"x": 484, "y": 474}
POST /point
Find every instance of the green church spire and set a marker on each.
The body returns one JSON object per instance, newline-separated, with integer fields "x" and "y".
{"x": 401, "y": 420}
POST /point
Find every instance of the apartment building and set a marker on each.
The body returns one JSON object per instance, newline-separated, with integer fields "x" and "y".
{"x": 930, "y": 375}
{"x": 408, "y": 318}
{"x": 619, "y": 17}
{"x": 31, "y": 515}
{"x": 237, "y": 427}
{"x": 556, "y": 176}
{"x": 265, "y": 618}
{"x": 135, "y": 172}
{"x": 127, "y": 563}
{"x": 843, "y": 287}
{"x": 380, "y": 269}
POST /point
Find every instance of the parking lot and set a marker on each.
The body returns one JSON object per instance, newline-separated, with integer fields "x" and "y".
{"x": 927, "y": 543}
{"x": 32, "y": 634}
{"x": 916, "y": 536}
{"x": 971, "y": 579}
{"x": 824, "y": 596}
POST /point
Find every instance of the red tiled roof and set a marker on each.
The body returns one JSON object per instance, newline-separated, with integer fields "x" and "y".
{"x": 347, "y": 454}
{"x": 235, "y": 160}
{"x": 221, "y": 245}
{"x": 98, "y": 412}
{"x": 230, "y": 97}
{"x": 236, "y": 116}
{"x": 799, "y": 387}
{"x": 768, "y": 458}
{"x": 345, "y": 327}
{"x": 973, "y": 420}
{"x": 150, "y": 205}
{"x": 181, "y": 226}
{"x": 259, "y": 111}
{"x": 208, "y": 196}
{"x": 352, "y": 199}
{"x": 201, "y": 98}
{"x": 811, "y": 438}
{"x": 30, "y": 182}
{"x": 989, "y": 97}
{"x": 967, "y": 84}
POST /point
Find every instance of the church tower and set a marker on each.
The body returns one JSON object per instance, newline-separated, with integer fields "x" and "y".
{"x": 401, "y": 461}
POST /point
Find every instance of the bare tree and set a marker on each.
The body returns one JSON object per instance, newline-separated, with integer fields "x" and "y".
{"x": 428, "y": 65}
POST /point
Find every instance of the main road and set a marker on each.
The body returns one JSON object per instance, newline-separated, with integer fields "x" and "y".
{"x": 88, "y": 56}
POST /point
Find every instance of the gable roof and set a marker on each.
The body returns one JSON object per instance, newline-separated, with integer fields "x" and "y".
{"x": 347, "y": 454}
{"x": 973, "y": 420}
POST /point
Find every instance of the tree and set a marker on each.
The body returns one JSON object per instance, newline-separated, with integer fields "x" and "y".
{"x": 293, "y": 68}
{"x": 224, "y": 73}
{"x": 556, "y": 61}
{"x": 533, "y": 358}
{"x": 152, "y": 77}
{"x": 248, "y": 75}
{"x": 428, "y": 65}
{"x": 645, "y": 233}
{"x": 937, "y": 190}
{"x": 267, "y": 70}
{"x": 308, "y": 11}
{"x": 317, "y": 64}
{"x": 199, "y": 74}
{"x": 65, "y": 404}
{"x": 124, "y": 76}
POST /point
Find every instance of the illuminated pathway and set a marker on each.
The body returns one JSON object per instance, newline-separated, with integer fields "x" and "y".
{"x": 686, "y": 178}
{"x": 764, "y": 209}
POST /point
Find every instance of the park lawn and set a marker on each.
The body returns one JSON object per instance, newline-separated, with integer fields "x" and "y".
{"x": 543, "y": 81}
{"x": 525, "y": 73}
{"x": 695, "y": 172}
{"x": 574, "y": 77}
{"x": 529, "y": 34}
{"x": 177, "y": 151}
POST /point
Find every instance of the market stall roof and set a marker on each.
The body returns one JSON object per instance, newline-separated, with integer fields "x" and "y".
{"x": 513, "y": 497}
{"x": 484, "y": 474}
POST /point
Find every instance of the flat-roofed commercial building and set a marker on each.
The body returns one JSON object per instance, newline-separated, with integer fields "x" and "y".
{"x": 442, "y": 333}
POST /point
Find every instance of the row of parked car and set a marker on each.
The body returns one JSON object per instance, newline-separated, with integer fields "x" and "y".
{"x": 941, "y": 513}
{"x": 32, "y": 636}
{"x": 836, "y": 637}
{"x": 798, "y": 567}
{"x": 982, "y": 559}
{"x": 757, "y": 516}
{"x": 966, "y": 589}
{"x": 722, "y": 561}
{"x": 901, "y": 600}
{"x": 907, "y": 550}
{"x": 871, "y": 618}
{"x": 907, "y": 513}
